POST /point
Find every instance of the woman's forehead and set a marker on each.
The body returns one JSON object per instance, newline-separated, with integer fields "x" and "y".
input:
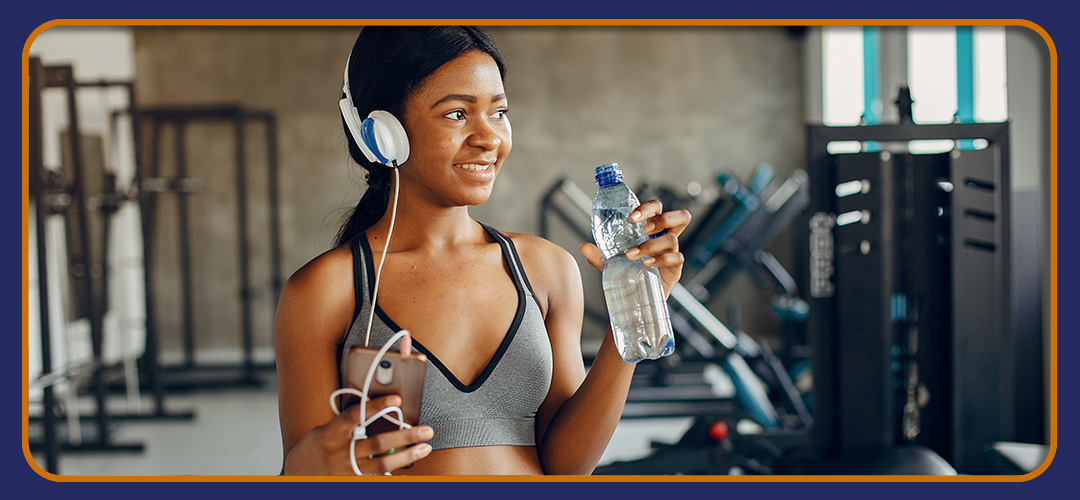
{"x": 472, "y": 74}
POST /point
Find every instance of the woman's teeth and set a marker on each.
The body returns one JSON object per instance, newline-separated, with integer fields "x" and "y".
{"x": 473, "y": 166}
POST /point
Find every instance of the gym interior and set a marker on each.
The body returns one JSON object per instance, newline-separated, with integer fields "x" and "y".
{"x": 867, "y": 281}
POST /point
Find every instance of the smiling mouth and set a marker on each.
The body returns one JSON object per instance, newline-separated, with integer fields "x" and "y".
{"x": 478, "y": 167}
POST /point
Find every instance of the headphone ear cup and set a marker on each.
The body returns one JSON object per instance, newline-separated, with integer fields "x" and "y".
{"x": 389, "y": 137}
{"x": 355, "y": 125}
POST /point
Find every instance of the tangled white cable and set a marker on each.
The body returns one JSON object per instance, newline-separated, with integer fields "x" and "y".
{"x": 360, "y": 431}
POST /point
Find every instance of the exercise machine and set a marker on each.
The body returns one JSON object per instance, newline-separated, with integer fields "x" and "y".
{"x": 909, "y": 277}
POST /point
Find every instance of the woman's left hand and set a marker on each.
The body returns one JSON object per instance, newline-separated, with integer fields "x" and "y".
{"x": 661, "y": 250}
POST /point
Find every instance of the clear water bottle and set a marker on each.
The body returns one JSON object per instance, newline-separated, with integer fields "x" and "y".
{"x": 635, "y": 296}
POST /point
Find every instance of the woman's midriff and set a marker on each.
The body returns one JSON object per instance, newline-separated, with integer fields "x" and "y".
{"x": 478, "y": 461}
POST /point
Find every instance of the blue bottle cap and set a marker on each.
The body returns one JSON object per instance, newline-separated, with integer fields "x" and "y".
{"x": 608, "y": 174}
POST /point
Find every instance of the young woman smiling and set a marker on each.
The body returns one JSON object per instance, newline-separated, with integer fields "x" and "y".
{"x": 497, "y": 314}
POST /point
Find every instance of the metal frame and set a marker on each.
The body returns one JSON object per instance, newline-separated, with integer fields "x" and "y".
{"x": 42, "y": 77}
{"x": 981, "y": 399}
{"x": 152, "y": 184}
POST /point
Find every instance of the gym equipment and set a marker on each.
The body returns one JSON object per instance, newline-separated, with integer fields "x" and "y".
{"x": 909, "y": 275}
{"x": 189, "y": 375}
{"x": 109, "y": 202}
{"x": 50, "y": 196}
{"x": 732, "y": 237}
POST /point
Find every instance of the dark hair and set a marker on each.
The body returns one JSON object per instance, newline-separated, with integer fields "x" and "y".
{"x": 387, "y": 64}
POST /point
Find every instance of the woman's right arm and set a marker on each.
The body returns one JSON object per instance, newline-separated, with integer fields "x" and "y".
{"x": 314, "y": 312}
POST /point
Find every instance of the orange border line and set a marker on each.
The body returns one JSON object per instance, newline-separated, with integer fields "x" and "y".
{"x": 1052, "y": 188}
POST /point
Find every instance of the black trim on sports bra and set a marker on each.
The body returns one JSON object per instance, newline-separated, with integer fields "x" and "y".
{"x": 358, "y": 296}
{"x": 369, "y": 263}
{"x": 521, "y": 269}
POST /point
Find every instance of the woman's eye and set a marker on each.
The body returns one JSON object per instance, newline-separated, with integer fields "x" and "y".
{"x": 500, "y": 114}
{"x": 456, "y": 115}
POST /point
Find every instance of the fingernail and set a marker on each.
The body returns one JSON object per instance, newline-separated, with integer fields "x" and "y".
{"x": 631, "y": 253}
{"x": 649, "y": 261}
{"x": 635, "y": 216}
{"x": 422, "y": 450}
{"x": 649, "y": 227}
{"x": 426, "y": 433}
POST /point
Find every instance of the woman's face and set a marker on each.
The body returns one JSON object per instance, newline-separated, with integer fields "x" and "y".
{"x": 458, "y": 132}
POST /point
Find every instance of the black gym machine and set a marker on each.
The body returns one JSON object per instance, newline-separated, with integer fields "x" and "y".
{"x": 909, "y": 269}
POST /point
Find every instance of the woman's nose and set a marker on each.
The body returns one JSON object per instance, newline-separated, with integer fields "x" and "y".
{"x": 484, "y": 135}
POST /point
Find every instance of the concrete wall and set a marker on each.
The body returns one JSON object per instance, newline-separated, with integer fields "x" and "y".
{"x": 670, "y": 104}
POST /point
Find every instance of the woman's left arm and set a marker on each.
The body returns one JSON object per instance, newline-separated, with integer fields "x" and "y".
{"x": 579, "y": 416}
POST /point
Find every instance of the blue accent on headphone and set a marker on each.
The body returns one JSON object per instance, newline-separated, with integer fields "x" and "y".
{"x": 368, "y": 133}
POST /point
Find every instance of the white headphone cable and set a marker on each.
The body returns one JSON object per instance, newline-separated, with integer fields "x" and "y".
{"x": 378, "y": 273}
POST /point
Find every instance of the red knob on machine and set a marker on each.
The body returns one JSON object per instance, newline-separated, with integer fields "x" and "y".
{"x": 718, "y": 431}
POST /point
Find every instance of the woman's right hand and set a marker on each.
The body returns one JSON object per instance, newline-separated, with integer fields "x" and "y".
{"x": 325, "y": 450}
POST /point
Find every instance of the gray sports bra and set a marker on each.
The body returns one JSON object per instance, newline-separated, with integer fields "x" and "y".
{"x": 499, "y": 408}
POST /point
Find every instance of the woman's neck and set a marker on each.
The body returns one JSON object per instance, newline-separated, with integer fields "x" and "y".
{"x": 424, "y": 227}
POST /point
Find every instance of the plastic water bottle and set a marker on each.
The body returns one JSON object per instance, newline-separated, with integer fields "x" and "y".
{"x": 635, "y": 296}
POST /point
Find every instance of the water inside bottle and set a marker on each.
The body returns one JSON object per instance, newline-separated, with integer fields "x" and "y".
{"x": 614, "y": 233}
{"x": 630, "y": 290}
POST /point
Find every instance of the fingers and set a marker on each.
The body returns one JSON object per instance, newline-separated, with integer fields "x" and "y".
{"x": 592, "y": 254}
{"x": 389, "y": 451}
{"x": 383, "y": 442}
{"x": 351, "y": 416}
{"x": 674, "y": 221}
{"x": 664, "y": 228}
{"x": 672, "y": 259}
{"x": 646, "y": 210}
{"x": 664, "y": 246}
{"x": 400, "y": 459}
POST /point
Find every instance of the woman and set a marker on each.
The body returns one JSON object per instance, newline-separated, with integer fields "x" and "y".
{"x": 496, "y": 400}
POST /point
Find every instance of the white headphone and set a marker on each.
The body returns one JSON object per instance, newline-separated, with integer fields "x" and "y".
{"x": 381, "y": 136}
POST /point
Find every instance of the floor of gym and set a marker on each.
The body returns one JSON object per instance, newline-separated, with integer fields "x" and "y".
{"x": 235, "y": 431}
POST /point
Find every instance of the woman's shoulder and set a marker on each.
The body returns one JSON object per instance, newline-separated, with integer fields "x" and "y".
{"x": 321, "y": 290}
{"x": 550, "y": 268}
{"x": 540, "y": 251}
{"x": 325, "y": 270}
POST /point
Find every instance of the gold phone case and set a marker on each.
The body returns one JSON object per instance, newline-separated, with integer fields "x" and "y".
{"x": 395, "y": 375}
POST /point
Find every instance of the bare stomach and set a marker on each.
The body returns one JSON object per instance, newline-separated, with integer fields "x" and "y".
{"x": 478, "y": 461}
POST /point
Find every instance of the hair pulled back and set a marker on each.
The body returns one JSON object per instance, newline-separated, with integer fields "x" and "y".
{"x": 387, "y": 64}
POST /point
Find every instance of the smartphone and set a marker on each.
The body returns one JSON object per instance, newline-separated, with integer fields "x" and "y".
{"x": 396, "y": 374}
